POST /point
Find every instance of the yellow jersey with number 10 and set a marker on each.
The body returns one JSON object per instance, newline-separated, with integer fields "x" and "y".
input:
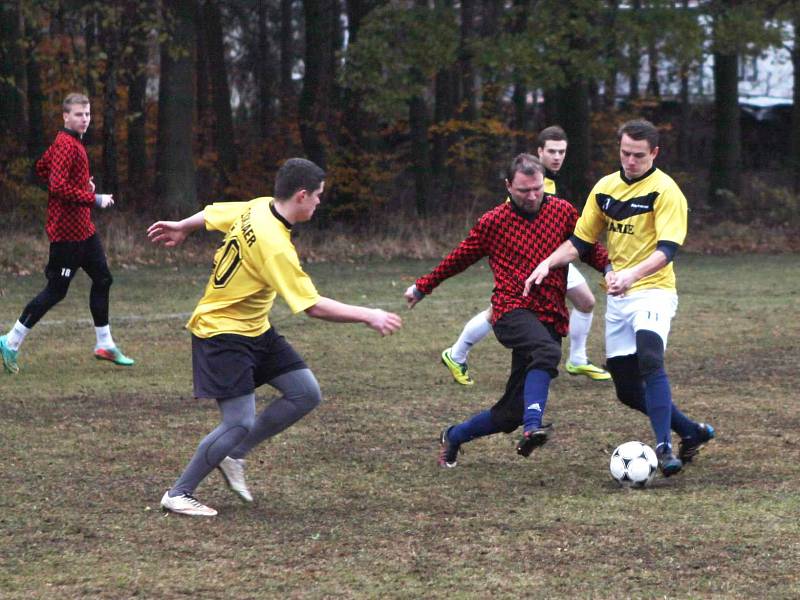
{"x": 636, "y": 215}
{"x": 255, "y": 263}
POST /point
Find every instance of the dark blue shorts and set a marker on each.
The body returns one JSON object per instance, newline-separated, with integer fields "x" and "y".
{"x": 230, "y": 365}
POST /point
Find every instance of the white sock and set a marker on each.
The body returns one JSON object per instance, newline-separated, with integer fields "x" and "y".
{"x": 16, "y": 336}
{"x": 579, "y": 325}
{"x": 474, "y": 331}
{"x": 104, "y": 339}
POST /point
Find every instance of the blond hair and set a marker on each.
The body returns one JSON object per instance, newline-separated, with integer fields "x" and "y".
{"x": 74, "y": 98}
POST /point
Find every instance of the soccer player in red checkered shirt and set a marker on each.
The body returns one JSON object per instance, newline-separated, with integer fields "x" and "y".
{"x": 516, "y": 236}
{"x": 74, "y": 243}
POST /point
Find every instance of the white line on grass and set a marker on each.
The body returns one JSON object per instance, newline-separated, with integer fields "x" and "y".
{"x": 149, "y": 317}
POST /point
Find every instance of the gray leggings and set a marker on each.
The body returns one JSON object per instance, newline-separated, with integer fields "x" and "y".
{"x": 240, "y": 430}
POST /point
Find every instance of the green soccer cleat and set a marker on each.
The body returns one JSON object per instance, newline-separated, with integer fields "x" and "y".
{"x": 9, "y": 357}
{"x": 592, "y": 372}
{"x": 459, "y": 371}
{"x": 114, "y": 355}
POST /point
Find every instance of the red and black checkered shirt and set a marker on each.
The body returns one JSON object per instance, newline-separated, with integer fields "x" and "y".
{"x": 65, "y": 168}
{"x": 515, "y": 244}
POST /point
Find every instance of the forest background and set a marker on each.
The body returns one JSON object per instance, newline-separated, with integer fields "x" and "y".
{"x": 413, "y": 107}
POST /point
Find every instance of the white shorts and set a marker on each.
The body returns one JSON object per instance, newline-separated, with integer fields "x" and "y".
{"x": 650, "y": 310}
{"x": 574, "y": 277}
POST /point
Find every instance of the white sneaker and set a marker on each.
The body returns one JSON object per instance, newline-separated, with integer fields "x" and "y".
{"x": 186, "y": 504}
{"x": 232, "y": 470}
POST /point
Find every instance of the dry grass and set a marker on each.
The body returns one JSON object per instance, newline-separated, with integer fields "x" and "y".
{"x": 349, "y": 502}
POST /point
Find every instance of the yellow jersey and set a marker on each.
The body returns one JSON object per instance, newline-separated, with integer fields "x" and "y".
{"x": 549, "y": 186}
{"x": 636, "y": 215}
{"x": 255, "y": 263}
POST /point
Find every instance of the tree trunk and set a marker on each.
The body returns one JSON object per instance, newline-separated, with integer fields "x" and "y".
{"x": 574, "y": 117}
{"x": 468, "y": 92}
{"x": 519, "y": 101}
{"x": 634, "y": 54}
{"x": 520, "y": 94}
{"x": 796, "y": 108}
{"x": 220, "y": 91}
{"x": 653, "y": 87}
{"x": 443, "y": 110}
{"x": 313, "y": 104}
{"x": 202, "y": 85}
{"x": 287, "y": 62}
{"x": 176, "y": 186}
{"x": 137, "y": 100}
{"x": 12, "y": 72}
{"x": 90, "y": 35}
{"x": 612, "y": 56}
{"x": 684, "y": 121}
{"x": 420, "y": 153}
{"x": 353, "y": 116}
{"x": 36, "y": 143}
{"x": 726, "y": 161}
{"x": 109, "y": 182}
{"x": 265, "y": 74}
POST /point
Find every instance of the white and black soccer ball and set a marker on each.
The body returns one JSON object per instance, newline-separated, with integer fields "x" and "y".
{"x": 633, "y": 464}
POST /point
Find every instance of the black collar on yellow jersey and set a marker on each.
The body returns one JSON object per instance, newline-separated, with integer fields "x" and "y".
{"x": 637, "y": 179}
{"x": 278, "y": 216}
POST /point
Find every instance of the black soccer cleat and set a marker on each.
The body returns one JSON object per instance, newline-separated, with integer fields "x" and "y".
{"x": 448, "y": 452}
{"x": 532, "y": 439}
{"x": 691, "y": 445}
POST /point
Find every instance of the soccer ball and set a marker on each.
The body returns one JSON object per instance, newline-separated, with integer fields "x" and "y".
{"x": 633, "y": 464}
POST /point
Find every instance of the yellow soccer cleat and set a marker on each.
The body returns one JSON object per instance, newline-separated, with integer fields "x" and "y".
{"x": 592, "y": 372}
{"x": 459, "y": 371}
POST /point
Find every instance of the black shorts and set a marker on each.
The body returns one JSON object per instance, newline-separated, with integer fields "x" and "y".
{"x": 230, "y": 365}
{"x": 67, "y": 257}
{"x": 534, "y": 345}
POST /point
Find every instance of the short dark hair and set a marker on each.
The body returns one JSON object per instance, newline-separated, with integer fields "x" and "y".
{"x": 527, "y": 164}
{"x": 297, "y": 174}
{"x": 74, "y": 98}
{"x": 640, "y": 129}
{"x": 553, "y": 133}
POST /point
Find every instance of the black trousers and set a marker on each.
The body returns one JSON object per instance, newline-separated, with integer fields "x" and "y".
{"x": 64, "y": 261}
{"x": 534, "y": 345}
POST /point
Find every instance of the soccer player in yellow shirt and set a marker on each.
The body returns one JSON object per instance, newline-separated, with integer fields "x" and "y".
{"x": 235, "y": 348}
{"x": 644, "y": 214}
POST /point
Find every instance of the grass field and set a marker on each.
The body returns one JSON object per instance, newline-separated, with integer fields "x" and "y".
{"x": 350, "y": 503}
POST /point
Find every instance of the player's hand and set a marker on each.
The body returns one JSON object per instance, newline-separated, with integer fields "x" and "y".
{"x": 535, "y": 278}
{"x": 385, "y": 323}
{"x": 105, "y": 200}
{"x": 92, "y": 187}
{"x": 620, "y": 282}
{"x": 413, "y": 296}
{"x": 168, "y": 233}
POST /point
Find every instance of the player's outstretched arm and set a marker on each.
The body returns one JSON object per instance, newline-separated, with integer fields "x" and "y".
{"x": 381, "y": 321}
{"x": 564, "y": 254}
{"x": 172, "y": 233}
